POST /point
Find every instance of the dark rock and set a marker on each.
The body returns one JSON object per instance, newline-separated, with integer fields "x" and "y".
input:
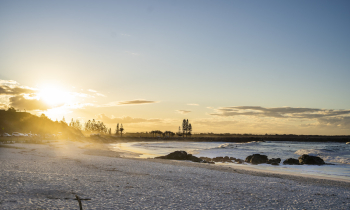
{"x": 247, "y": 159}
{"x": 239, "y": 161}
{"x": 256, "y": 159}
{"x": 218, "y": 159}
{"x": 291, "y": 161}
{"x": 206, "y": 159}
{"x": 182, "y": 155}
{"x": 274, "y": 161}
{"x": 311, "y": 160}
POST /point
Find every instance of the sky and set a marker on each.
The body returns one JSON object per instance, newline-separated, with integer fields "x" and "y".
{"x": 226, "y": 66}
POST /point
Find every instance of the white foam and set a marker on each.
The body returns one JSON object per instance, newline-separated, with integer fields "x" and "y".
{"x": 326, "y": 155}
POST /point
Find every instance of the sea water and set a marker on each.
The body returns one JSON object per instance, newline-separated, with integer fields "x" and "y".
{"x": 337, "y": 154}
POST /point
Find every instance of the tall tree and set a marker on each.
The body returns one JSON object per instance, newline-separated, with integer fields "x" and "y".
{"x": 190, "y": 129}
{"x": 184, "y": 127}
{"x": 121, "y": 130}
{"x": 117, "y": 129}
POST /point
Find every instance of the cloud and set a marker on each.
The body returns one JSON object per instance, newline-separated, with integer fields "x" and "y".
{"x": 100, "y": 94}
{"x": 10, "y": 87}
{"x": 183, "y": 111}
{"x": 132, "y": 102}
{"x": 20, "y": 102}
{"x": 125, "y": 119}
{"x": 96, "y": 93}
{"x": 317, "y": 117}
{"x": 214, "y": 122}
{"x": 132, "y": 53}
{"x": 3, "y": 106}
{"x": 193, "y": 104}
{"x": 279, "y": 112}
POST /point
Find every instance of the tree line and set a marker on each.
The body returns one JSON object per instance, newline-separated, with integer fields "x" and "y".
{"x": 94, "y": 126}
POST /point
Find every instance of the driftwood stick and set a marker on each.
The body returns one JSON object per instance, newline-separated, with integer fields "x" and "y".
{"x": 80, "y": 205}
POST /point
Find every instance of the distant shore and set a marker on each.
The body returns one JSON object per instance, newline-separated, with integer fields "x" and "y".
{"x": 238, "y": 139}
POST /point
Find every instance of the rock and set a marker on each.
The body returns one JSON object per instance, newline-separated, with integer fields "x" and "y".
{"x": 311, "y": 160}
{"x": 247, "y": 159}
{"x": 274, "y": 161}
{"x": 291, "y": 161}
{"x": 256, "y": 159}
{"x": 206, "y": 159}
{"x": 239, "y": 161}
{"x": 182, "y": 155}
{"x": 218, "y": 159}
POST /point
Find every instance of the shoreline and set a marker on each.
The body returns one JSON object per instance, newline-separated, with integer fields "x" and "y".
{"x": 246, "y": 168}
{"x": 49, "y": 175}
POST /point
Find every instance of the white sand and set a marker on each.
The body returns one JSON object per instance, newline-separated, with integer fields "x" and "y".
{"x": 47, "y": 176}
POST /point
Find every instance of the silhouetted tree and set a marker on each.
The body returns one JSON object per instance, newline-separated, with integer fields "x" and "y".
{"x": 117, "y": 129}
{"x": 11, "y": 109}
{"x": 75, "y": 124}
{"x": 121, "y": 130}
{"x": 189, "y": 129}
{"x": 63, "y": 121}
{"x": 169, "y": 133}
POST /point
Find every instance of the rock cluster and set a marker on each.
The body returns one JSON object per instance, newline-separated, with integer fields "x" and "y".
{"x": 254, "y": 159}
{"x": 305, "y": 159}
{"x": 225, "y": 159}
{"x": 181, "y": 155}
{"x": 258, "y": 159}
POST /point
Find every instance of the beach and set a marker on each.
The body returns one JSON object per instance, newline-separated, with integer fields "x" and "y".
{"x": 49, "y": 175}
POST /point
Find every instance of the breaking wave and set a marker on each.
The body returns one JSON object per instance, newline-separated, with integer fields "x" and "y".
{"x": 234, "y": 145}
{"x": 326, "y": 154}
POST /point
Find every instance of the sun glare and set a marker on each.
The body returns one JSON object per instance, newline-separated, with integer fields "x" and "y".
{"x": 55, "y": 96}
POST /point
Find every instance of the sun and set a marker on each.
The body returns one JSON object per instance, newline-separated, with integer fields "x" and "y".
{"x": 54, "y": 96}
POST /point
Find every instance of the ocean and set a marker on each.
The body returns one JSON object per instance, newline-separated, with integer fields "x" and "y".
{"x": 337, "y": 154}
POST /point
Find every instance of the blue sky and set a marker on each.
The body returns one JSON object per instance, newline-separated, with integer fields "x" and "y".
{"x": 212, "y": 53}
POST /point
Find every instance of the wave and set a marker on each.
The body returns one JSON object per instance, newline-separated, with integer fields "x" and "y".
{"x": 326, "y": 154}
{"x": 234, "y": 145}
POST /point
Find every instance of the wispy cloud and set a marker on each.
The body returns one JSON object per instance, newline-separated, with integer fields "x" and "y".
{"x": 125, "y": 119}
{"x": 96, "y": 93}
{"x": 132, "y": 102}
{"x": 100, "y": 94}
{"x": 132, "y": 53}
{"x": 279, "y": 112}
{"x": 183, "y": 111}
{"x": 320, "y": 117}
{"x": 193, "y": 104}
